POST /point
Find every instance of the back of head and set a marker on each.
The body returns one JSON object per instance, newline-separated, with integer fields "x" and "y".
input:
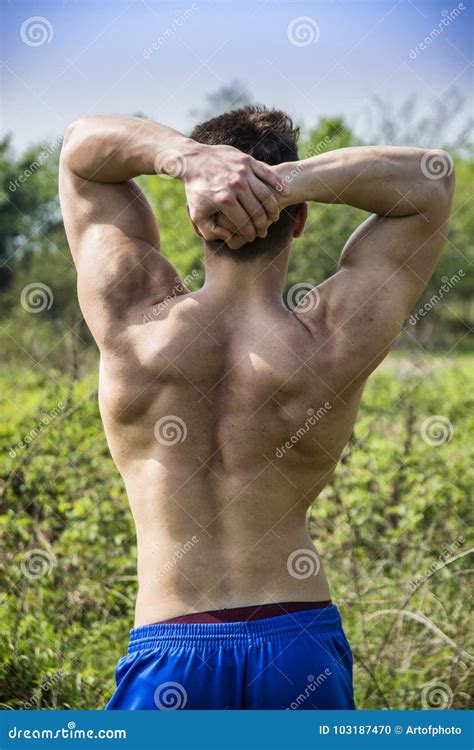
{"x": 269, "y": 136}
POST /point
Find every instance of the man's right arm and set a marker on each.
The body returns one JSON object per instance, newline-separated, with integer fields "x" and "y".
{"x": 389, "y": 259}
{"x": 111, "y": 228}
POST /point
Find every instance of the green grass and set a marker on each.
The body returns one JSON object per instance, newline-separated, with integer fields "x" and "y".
{"x": 392, "y": 527}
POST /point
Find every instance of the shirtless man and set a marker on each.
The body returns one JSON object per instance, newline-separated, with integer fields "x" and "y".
{"x": 200, "y": 392}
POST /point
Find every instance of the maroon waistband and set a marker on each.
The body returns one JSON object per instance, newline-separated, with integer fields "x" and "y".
{"x": 245, "y": 614}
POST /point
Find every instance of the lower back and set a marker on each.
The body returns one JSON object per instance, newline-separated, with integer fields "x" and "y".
{"x": 209, "y": 539}
{"x": 203, "y": 553}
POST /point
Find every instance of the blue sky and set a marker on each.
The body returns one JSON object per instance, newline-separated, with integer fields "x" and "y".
{"x": 94, "y": 58}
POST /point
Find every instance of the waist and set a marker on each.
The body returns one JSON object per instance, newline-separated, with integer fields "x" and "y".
{"x": 249, "y": 614}
{"x": 222, "y": 571}
{"x": 190, "y": 598}
{"x": 286, "y": 626}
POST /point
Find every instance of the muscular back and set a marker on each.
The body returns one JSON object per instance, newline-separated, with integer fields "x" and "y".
{"x": 225, "y": 431}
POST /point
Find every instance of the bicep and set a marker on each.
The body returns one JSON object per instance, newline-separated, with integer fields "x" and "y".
{"x": 114, "y": 241}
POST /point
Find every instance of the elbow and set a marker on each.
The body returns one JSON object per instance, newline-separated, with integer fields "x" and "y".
{"x": 437, "y": 167}
{"x": 74, "y": 137}
{"x": 80, "y": 125}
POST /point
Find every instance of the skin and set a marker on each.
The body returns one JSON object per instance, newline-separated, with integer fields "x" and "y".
{"x": 220, "y": 503}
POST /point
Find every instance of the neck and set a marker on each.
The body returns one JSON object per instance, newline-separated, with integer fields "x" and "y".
{"x": 259, "y": 279}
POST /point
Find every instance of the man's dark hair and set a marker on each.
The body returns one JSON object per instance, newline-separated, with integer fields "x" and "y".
{"x": 269, "y": 136}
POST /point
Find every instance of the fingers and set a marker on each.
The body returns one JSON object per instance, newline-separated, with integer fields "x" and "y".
{"x": 239, "y": 217}
{"x": 223, "y": 221}
{"x": 255, "y": 210}
{"x": 261, "y": 208}
{"x": 236, "y": 242}
{"x": 265, "y": 173}
{"x": 210, "y": 230}
{"x": 266, "y": 198}
{"x": 261, "y": 204}
{"x": 196, "y": 228}
{"x": 248, "y": 203}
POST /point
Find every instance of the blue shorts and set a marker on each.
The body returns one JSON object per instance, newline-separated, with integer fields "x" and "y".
{"x": 297, "y": 661}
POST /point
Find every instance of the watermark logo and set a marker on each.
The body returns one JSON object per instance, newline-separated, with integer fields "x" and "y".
{"x": 302, "y": 296}
{"x": 178, "y": 289}
{"x": 318, "y": 148}
{"x": 300, "y": 166}
{"x": 303, "y": 563}
{"x": 170, "y": 430}
{"x": 37, "y": 563}
{"x": 446, "y": 554}
{"x": 436, "y": 430}
{"x": 36, "y": 297}
{"x": 47, "y": 683}
{"x": 170, "y": 31}
{"x": 69, "y": 732}
{"x": 170, "y": 163}
{"x": 446, "y": 286}
{"x": 312, "y": 685}
{"x": 436, "y": 164}
{"x": 38, "y": 162}
{"x": 170, "y": 696}
{"x": 437, "y": 695}
{"x": 302, "y": 31}
{"x": 447, "y": 18}
{"x": 180, "y": 550}
{"x": 47, "y": 418}
{"x": 301, "y": 432}
{"x": 36, "y": 31}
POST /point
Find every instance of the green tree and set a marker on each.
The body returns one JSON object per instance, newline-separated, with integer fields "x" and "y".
{"x": 29, "y": 210}
{"x": 227, "y": 97}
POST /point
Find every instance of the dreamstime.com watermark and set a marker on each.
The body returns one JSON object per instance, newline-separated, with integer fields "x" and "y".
{"x": 178, "y": 288}
{"x": 300, "y": 166}
{"x": 448, "y": 551}
{"x": 170, "y": 31}
{"x": 318, "y": 148}
{"x": 47, "y": 683}
{"x": 311, "y": 687}
{"x": 447, "y": 18}
{"x": 33, "y": 167}
{"x": 71, "y": 732}
{"x": 312, "y": 419}
{"x": 47, "y": 418}
{"x": 180, "y": 551}
{"x": 446, "y": 286}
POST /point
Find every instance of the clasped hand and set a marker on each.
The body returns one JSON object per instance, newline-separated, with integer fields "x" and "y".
{"x": 231, "y": 196}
